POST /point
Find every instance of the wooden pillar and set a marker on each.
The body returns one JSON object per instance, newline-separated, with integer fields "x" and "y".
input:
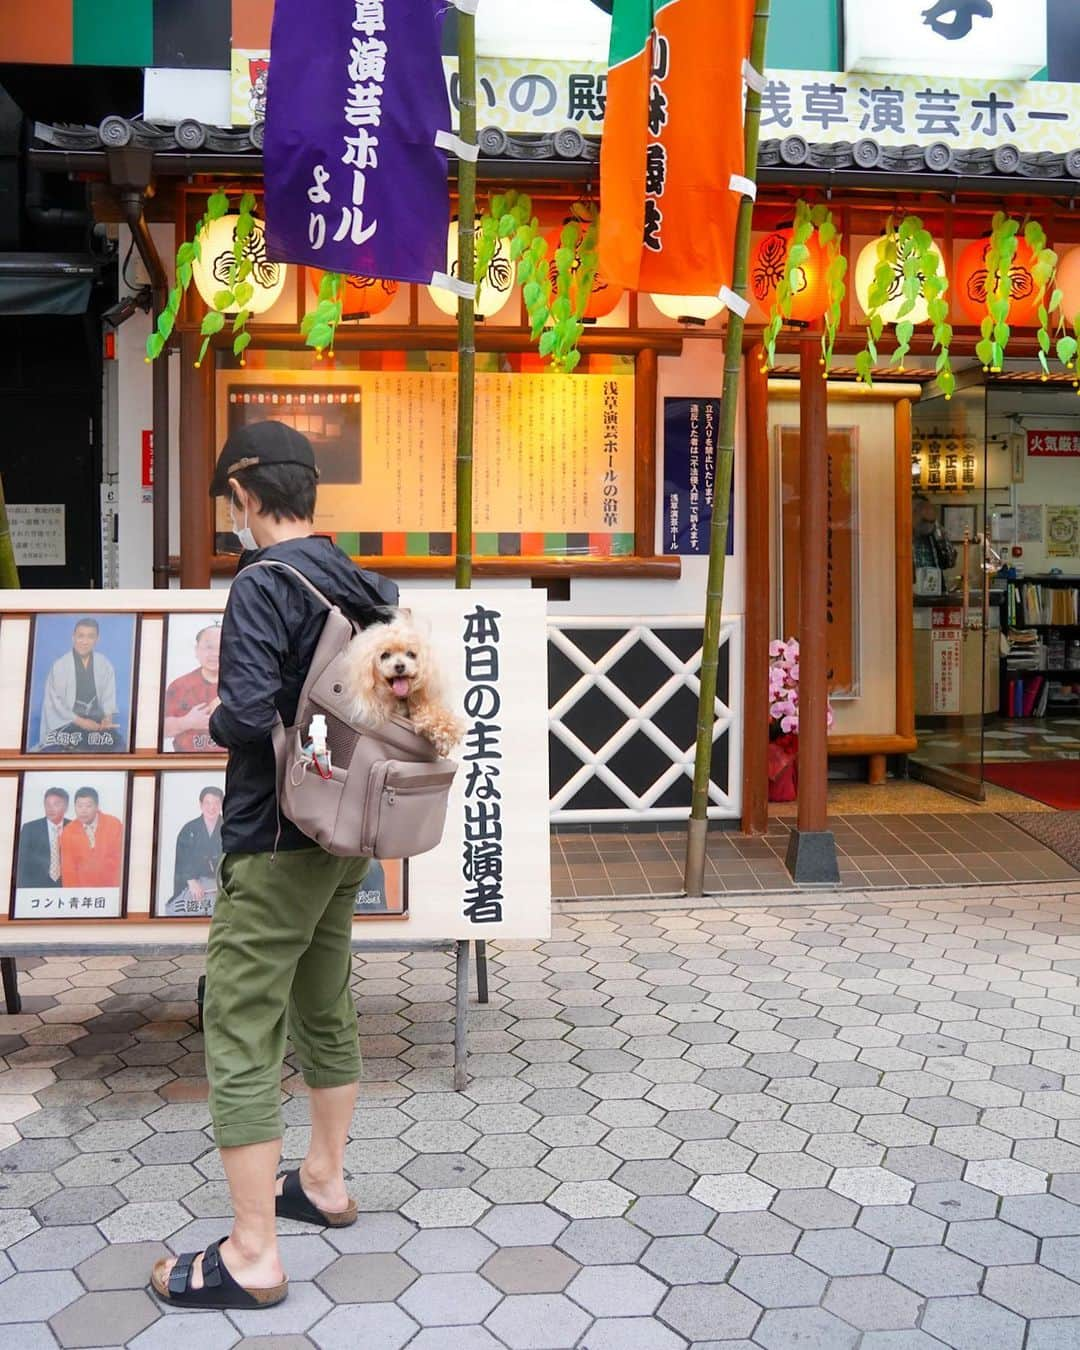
{"x": 755, "y": 811}
{"x": 196, "y": 423}
{"x": 905, "y": 604}
{"x": 811, "y": 856}
{"x": 877, "y": 769}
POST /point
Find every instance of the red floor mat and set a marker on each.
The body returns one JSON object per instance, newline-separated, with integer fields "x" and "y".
{"x": 1053, "y": 781}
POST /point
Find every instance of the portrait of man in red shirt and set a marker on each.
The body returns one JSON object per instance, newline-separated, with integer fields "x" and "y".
{"x": 190, "y": 699}
{"x": 92, "y": 845}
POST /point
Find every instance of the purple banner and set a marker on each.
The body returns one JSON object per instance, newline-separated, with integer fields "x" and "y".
{"x": 354, "y": 182}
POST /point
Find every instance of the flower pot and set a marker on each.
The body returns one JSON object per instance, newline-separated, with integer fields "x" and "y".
{"x": 783, "y": 766}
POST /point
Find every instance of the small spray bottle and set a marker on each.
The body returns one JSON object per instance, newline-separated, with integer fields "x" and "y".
{"x": 319, "y": 751}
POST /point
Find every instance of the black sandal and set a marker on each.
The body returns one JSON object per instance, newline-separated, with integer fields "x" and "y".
{"x": 293, "y": 1203}
{"x": 219, "y": 1289}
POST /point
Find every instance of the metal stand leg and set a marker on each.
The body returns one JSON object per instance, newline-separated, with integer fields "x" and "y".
{"x": 10, "y": 974}
{"x": 461, "y": 1016}
{"x": 481, "y": 971}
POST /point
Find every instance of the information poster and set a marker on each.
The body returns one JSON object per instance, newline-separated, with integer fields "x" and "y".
{"x": 842, "y": 542}
{"x": 1029, "y": 524}
{"x": 691, "y": 426}
{"x": 945, "y": 655}
{"x": 553, "y": 468}
{"x": 38, "y": 534}
{"x": 1063, "y": 531}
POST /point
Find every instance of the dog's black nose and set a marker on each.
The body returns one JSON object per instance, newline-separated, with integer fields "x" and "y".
{"x": 399, "y": 667}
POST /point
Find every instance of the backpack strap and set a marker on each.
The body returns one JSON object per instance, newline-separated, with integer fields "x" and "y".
{"x": 288, "y": 567}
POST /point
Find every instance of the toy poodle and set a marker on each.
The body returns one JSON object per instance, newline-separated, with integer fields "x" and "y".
{"x": 390, "y": 670}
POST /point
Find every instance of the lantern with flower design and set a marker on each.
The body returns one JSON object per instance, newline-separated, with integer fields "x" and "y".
{"x": 973, "y": 284}
{"x": 604, "y": 295}
{"x": 361, "y": 297}
{"x": 213, "y": 271}
{"x": 493, "y": 289}
{"x": 810, "y": 298}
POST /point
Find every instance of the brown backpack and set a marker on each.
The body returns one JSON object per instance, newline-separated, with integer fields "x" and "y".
{"x": 387, "y": 793}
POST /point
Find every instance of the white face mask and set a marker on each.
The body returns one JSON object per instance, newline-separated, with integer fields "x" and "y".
{"x": 243, "y": 532}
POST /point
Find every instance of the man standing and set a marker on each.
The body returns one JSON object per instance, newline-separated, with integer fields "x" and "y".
{"x": 92, "y": 845}
{"x": 78, "y": 712}
{"x": 198, "y": 852}
{"x": 191, "y": 699}
{"x": 39, "y": 843}
{"x": 279, "y": 953}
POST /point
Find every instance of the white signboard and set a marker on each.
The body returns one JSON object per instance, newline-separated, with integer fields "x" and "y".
{"x": 37, "y": 534}
{"x": 980, "y": 39}
{"x": 946, "y": 655}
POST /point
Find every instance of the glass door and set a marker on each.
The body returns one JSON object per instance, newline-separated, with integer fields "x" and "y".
{"x": 956, "y": 616}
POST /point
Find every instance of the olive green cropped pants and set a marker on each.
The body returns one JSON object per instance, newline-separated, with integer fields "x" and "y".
{"x": 279, "y": 960}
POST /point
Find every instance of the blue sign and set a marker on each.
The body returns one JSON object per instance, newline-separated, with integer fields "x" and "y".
{"x": 691, "y": 426}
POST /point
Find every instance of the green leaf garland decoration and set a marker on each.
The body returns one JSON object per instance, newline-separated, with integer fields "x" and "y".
{"x": 908, "y": 251}
{"x": 556, "y": 291}
{"x": 808, "y": 220}
{"x": 189, "y": 252}
{"x": 319, "y": 326}
{"x": 508, "y": 216}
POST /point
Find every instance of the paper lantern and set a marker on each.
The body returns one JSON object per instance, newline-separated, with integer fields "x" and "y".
{"x": 604, "y": 296}
{"x": 211, "y": 272}
{"x": 363, "y": 297}
{"x": 811, "y": 293}
{"x": 695, "y": 309}
{"x": 497, "y": 284}
{"x": 865, "y": 269}
{"x": 973, "y": 279}
{"x": 1067, "y": 281}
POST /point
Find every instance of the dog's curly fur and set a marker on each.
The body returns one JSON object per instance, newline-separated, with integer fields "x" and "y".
{"x": 397, "y": 651}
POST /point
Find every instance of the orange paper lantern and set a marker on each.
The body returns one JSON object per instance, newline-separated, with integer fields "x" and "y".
{"x": 605, "y": 296}
{"x": 363, "y": 297}
{"x": 1067, "y": 281}
{"x": 973, "y": 281}
{"x": 811, "y": 292}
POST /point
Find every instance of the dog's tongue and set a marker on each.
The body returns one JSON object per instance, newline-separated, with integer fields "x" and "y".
{"x": 400, "y": 686}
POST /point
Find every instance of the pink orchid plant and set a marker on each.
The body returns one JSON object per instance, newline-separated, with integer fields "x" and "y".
{"x": 784, "y": 686}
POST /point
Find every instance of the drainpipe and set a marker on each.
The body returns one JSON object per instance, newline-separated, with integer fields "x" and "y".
{"x": 130, "y": 171}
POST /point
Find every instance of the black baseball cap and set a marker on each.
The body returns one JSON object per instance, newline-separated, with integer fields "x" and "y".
{"x": 259, "y": 444}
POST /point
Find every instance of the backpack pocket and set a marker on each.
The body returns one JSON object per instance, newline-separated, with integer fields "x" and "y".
{"x": 405, "y": 810}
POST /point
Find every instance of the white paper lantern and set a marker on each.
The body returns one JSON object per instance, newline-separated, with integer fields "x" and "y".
{"x": 865, "y": 269}
{"x": 498, "y": 283}
{"x": 695, "y": 309}
{"x": 211, "y": 272}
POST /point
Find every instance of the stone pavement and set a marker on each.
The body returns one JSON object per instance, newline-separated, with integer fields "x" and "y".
{"x": 808, "y": 1122}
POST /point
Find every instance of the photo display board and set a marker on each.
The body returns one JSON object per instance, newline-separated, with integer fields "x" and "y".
{"x": 112, "y": 791}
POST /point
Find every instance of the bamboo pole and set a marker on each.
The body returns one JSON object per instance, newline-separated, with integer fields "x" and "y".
{"x": 466, "y": 308}
{"x": 9, "y": 573}
{"x": 694, "y": 874}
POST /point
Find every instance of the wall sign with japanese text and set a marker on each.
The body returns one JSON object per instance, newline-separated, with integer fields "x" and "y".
{"x": 690, "y": 430}
{"x": 38, "y": 534}
{"x": 1047, "y": 444}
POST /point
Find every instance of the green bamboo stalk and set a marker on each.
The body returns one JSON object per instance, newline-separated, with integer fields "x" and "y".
{"x": 466, "y": 308}
{"x": 694, "y": 873}
{"x": 9, "y": 573}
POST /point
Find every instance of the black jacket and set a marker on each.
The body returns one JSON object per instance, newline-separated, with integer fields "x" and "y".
{"x": 269, "y": 633}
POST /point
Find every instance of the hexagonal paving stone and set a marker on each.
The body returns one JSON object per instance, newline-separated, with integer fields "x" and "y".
{"x": 530, "y": 1270}
{"x": 375, "y": 1278}
{"x": 1033, "y": 1291}
{"x": 733, "y": 1194}
{"x": 1043, "y": 1215}
{"x": 843, "y": 1252}
{"x": 457, "y": 1208}
{"x": 930, "y": 1271}
{"x": 670, "y": 1215}
{"x": 873, "y": 1302}
{"x": 698, "y": 1310}
{"x": 815, "y": 1209}
{"x": 538, "y": 1322}
{"x": 449, "y": 1300}
{"x": 954, "y": 1200}
{"x": 376, "y": 1326}
{"x": 81, "y": 1204}
{"x": 973, "y": 1323}
{"x": 633, "y": 1333}
{"x": 755, "y": 1234}
{"x": 689, "y": 1260}
{"x": 602, "y": 1241}
{"x": 806, "y": 1328}
{"x": 212, "y": 1331}
{"x": 59, "y": 1248}
{"x": 779, "y": 1281}
{"x": 871, "y": 1186}
{"x": 104, "y": 1319}
{"x": 444, "y": 1251}
{"x": 37, "y": 1296}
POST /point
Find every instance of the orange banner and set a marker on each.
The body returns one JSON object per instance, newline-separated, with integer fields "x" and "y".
{"x": 673, "y": 138}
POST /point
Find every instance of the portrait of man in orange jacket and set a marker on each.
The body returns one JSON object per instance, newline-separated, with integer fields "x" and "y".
{"x": 92, "y": 845}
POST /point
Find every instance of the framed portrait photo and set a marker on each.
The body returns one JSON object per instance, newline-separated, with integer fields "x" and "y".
{"x": 384, "y": 890}
{"x": 79, "y": 700}
{"x": 71, "y": 845}
{"x": 188, "y": 843}
{"x": 189, "y": 684}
